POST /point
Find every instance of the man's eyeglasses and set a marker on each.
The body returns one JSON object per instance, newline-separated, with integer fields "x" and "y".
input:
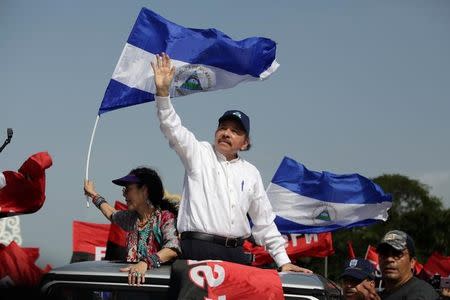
{"x": 395, "y": 254}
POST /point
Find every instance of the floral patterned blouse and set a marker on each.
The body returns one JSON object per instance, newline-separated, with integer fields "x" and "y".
{"x": 158, "y": 233}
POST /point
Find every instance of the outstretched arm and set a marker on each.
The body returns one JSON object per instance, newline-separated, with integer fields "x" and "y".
{"x": 180, "y": 138}
{"x": 164, "y": 73}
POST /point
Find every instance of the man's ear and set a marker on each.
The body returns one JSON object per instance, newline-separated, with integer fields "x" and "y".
{"x": 244, "y": 147}
{"x": 413, "y": 263}
{"x": 246, "y": 143}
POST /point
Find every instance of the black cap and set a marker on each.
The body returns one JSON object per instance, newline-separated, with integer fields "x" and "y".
{"x": 239, "y": 116}
{"x": 359, "y": 268}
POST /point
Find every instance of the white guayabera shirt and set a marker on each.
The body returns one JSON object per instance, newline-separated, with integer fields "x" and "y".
{"x": 218, "y": 194}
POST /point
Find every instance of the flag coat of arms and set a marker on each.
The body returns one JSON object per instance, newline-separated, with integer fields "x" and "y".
{"x": 205, "y": 60}
{"x": 312, "y": 202}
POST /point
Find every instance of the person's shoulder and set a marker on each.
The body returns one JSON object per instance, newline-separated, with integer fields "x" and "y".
{"x": 420, "y": 288}
{"x": 167, "y": 215}
{"x": 252, "y": 169}
{"x": 166, "y": 212}
{"x": 248, "y": 164}
{"x": 206, "y": 144}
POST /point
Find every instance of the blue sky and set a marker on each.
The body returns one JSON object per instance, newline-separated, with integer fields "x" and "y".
{"x": 363, "y": 86}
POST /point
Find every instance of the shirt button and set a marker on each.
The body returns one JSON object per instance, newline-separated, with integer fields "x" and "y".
{"x": 232, "y": 206}
{"x": 232, "y": 222}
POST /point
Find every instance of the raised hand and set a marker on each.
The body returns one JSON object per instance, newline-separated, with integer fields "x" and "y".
{"x": 89, "y": 188}
{"x": 164, "y": 73}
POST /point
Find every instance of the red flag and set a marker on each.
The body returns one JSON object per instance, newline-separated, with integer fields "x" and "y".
{"x": 418, "y": 267}
{"x": 116, "y": 247}
{"x": 437, "y": 264}
{"x": 89, "y": 241}
{"x": 33, "y": 253}
{"x": 18, "y": 268}
{"x": 372, "y": 256}
{"x": 24, "y": 192}
{"x": 298, "y": 245}
{"x": 223, "y": 280}
{"x": 351, "y": 252}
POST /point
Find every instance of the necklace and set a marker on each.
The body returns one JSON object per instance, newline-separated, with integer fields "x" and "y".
{"x": 142, "y": 240}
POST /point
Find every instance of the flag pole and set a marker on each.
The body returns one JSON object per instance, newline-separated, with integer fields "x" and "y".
{"x": 89, "y": 154}
{"x": 326, "y": 267}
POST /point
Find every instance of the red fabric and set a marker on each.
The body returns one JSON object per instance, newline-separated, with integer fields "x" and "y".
{"x": 372, "y": 256}
{"x": 117, "y": 235}
{"x": 33, "y": 253}
{"x": 217, "y": 280}
{"x": 418, "y": 268}
{"x": 18, "y": 268}
{"x": 88, "y": 236}
{"x": 351, "y": 252}
{"x": 24, "y": 192}
{"x": 243, "y": 282}
{"x": 320, "y": 245}
{"x": 437, "y": 264}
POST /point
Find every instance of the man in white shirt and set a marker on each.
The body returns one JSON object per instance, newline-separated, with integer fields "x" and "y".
{"x": 220, "y": 188}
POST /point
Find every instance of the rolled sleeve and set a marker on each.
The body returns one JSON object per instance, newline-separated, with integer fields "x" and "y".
{"x": 264, "y": 229}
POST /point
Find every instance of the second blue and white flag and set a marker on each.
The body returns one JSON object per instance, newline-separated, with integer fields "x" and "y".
{"x": 205, "y": 60}
{"x": 312, "y": 202}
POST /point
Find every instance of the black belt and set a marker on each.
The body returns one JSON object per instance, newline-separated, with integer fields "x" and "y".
{"x": 217, "y": 239}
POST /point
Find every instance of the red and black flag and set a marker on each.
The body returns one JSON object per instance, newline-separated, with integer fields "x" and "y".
{"x": 213, "y": 279}
{"x": 89, "y": 241}
{"x": 116, "y": 247}
{"x": 23, "y": 192}
{"x": 312, "y": 245}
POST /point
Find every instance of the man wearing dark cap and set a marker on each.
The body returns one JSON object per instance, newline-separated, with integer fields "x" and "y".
{"x": 356, "y": 272}
{"x": 220, "y": 188}
{"x": 396, "y": 257}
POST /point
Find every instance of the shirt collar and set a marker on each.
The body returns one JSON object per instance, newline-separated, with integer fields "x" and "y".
{"x": 222, "y": 157}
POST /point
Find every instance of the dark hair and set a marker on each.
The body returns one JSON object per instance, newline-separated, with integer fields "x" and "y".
{"x": 249, "y": 145}
{"x": 152, "y": 181}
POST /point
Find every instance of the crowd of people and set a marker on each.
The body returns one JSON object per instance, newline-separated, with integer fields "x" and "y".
{"x": 220, "y": 190}
{"x": 396, "y": 260}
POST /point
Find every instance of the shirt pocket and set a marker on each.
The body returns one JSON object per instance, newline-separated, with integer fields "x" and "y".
{"x": 246, "y": 196}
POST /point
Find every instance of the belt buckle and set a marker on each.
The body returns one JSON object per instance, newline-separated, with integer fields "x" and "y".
{"x": 235, "y": 244}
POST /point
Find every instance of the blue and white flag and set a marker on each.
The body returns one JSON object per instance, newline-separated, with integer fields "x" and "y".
{"x": 312, "y": 202}
{"x": 205, "y": 60}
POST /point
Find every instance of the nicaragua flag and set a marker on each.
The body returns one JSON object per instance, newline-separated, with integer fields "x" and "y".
{"x": 312, "y": 202}
{"x": 205, "y": 60}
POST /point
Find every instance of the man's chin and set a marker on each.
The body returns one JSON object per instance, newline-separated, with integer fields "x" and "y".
{"x": 350, "y": 295}
{"x": 223, "y": 148}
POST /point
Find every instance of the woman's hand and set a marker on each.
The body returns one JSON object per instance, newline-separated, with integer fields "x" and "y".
{"x": 89, "y": 188}
{"x": 136, "y": 273}
{"x": 164, "y": 73}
